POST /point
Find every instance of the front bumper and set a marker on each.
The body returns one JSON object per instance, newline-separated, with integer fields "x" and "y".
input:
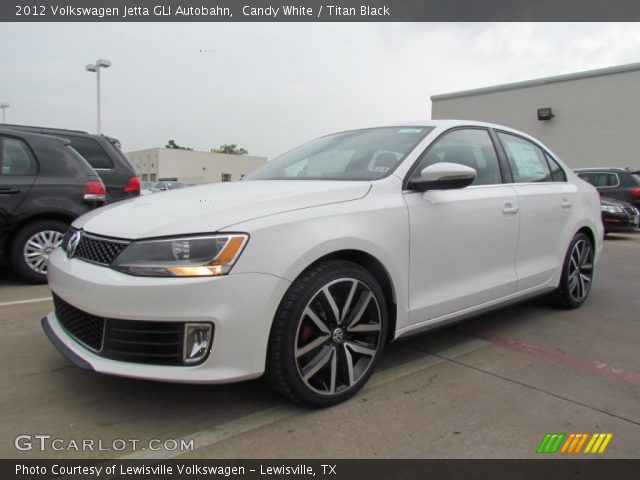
{"x": 619, "y": 222}
{"x": 241, "y": 307}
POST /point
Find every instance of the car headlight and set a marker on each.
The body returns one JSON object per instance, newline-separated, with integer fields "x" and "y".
{"x": 192, "y": 256}
{"x": 611, "y": 209}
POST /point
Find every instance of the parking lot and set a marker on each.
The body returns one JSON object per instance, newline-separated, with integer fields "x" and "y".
{"x": 487, "y": 388}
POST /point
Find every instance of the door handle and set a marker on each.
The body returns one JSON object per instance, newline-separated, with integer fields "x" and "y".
{"x": 565, "y": 203}
{"x": 9, "y": 191}
{"x": 509, "y": 209}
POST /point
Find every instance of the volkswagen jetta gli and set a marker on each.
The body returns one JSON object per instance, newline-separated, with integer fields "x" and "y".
{"x": 306, "y": 268}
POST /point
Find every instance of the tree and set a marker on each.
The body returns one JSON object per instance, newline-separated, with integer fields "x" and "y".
{"x": 231, "y": 148}
{"x": 174, "y": 145}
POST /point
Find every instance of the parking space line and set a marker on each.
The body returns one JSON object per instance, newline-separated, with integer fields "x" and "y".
{"x": 22, "y": 302}
{"x": 581, "y": 363}
{"x": 219, "y": 433}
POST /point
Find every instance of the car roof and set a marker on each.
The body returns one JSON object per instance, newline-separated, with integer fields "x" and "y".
{"x": 442, "y": 125}
{"x": 27, "y": 135}
{"x": 10, "y": 126}
{"x": 615, "y": 169}
{"x": 62, "y": 132}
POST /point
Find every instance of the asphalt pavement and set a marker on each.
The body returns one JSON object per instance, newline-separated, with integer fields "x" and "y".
{"x": 490, "y": 387}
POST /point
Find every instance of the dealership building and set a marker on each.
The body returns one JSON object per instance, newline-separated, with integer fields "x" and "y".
{"x": 589, "y": 119}
{"x": 155, "y": 164}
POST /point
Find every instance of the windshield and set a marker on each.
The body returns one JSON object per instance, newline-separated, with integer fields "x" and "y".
{"x": 367, "y": 154}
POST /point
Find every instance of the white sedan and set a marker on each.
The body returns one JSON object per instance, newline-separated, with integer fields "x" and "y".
{"x": 304, "y": 270}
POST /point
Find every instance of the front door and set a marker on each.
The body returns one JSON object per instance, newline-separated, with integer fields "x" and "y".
{"x": 463, "y": 241}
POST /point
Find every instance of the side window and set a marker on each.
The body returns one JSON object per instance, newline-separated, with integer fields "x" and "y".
{"x": 17, "y": 158}
{"x": 526, "y": 159}
{"x": 587, "y": 177}
{"x": 600, "y": 179}
{"x": 470, "y": 147}
{"x": 92, "y": 152}
{"x": 557, "y": 174}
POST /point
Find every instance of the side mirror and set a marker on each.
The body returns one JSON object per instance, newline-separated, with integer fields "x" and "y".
{"x": 443, "y": 176}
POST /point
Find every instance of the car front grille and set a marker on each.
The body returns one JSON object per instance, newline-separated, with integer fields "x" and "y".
{"x": 87, "y": 329}
{"x": 156, "y": 343}
{"x": 98, "y": 250}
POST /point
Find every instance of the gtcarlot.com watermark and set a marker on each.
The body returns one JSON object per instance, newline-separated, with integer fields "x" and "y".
{"x": 44, "y": 442}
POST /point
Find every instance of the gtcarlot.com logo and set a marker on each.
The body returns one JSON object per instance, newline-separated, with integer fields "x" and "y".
{"x": 46, "y": 442}
{"x": 574, "y": 443}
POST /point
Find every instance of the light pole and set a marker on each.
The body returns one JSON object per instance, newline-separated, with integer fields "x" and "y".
{"x": 95, "y": 67}
{"x": 4, "y": 107}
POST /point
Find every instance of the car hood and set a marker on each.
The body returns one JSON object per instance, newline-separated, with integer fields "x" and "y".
{"x": 613, "y": 202}
{"x": 212, "y": 207}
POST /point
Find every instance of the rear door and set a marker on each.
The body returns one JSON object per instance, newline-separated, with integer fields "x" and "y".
{"x": 546, "y": 207}
{"x": 17, "y": 174}
{"x": 462, "y": 241}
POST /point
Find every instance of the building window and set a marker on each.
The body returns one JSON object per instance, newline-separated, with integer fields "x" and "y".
{"x": 152, "y": 177}
{"x": 144, "y": 177}
{"x": 225, "y": 177}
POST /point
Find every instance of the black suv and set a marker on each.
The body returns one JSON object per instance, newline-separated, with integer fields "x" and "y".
{"x": 44, "y": 185}
{"x": 103, "y": 154}
{"x": 620, "y": 183}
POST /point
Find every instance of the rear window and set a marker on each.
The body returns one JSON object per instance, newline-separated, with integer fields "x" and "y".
{"x": 636, "y": 178}
{"x": 92, "y": 151}
{"x": 85, "y": 164}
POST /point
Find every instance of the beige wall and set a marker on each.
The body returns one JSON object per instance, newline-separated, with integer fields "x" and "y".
{"x": 191, "y": 166}
{"x": 596, "y": 123}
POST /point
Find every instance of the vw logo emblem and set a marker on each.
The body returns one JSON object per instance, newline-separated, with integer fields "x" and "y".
{"x": 338, "y": 335}
{"x": 72, "y": 244}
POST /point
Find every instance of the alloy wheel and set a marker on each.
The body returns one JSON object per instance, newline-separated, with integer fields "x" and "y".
{"x": 38, "y": 247}
{"x": 580, "y": 270}
{"x": 338, "y": 336}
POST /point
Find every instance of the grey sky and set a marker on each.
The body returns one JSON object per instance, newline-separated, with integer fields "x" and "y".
{"x": 269, "y": 87}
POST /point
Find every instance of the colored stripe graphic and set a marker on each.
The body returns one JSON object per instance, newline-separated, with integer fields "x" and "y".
{"x": 598, "y": 442}
{"x": 550, "y": 443}
{"x": 572, "y": 443}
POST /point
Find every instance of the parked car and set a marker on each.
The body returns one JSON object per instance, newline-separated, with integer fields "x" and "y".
{"x": 103, "y": 154}
{"x": 305, "y": 269}
{"x": 44, "y": 185}
{"x": 620, "y": 183}
{"x": 163, "y": 186}
{"x": 618, "y": 216}
{"x": 147, "y": 188}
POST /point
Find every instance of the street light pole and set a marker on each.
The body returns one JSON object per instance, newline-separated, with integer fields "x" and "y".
{"x": 98, "y": 106}
{"x": 4, "y": 107}
{"x": 95, "y": 67}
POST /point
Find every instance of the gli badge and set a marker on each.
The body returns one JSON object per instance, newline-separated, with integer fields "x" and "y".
{"x": 72, "y": 244}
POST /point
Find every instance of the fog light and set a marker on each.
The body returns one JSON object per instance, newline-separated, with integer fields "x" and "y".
{"x": 197, "y": 342}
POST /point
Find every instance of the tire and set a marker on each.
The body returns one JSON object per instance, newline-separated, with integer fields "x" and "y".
{"x": 577, "y": 273}
{"x": 35, "y": 240}
{"x": 316, "y": 357}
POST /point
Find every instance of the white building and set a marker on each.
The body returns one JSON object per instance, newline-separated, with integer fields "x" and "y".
{"x": 155, "y": 164}
{"x": 595, "y": 114}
